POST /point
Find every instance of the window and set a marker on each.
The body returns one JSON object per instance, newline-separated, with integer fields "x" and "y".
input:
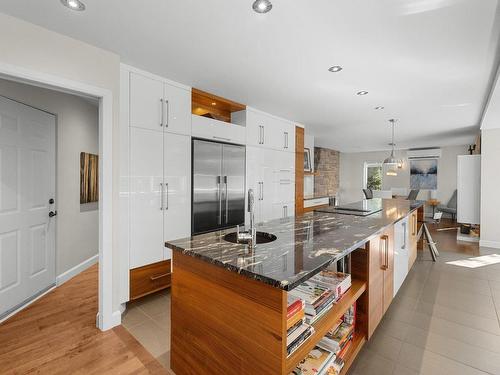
{"x": 373, "y": 176}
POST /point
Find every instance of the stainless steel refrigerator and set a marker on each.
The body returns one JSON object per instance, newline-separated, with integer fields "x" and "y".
{"x": 218, "y": 186}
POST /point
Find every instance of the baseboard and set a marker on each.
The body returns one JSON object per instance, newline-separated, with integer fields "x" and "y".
{"x": 493, "y": 244}
{"x": 62, "y": 278}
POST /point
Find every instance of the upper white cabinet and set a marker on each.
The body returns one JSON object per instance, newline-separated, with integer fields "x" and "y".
{"x": 267, "y": 131}
{"x": 207, "y": 128}
{"x": 158, "y": 105}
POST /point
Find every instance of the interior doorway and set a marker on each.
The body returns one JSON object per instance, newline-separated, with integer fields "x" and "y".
{"x": 108, "y": 315}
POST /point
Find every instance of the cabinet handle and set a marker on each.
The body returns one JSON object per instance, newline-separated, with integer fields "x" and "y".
{"x": 219, "y": 197}
{"x": 161, "y": 111}
{"x": 263, "y": 135}
{"x": 154, "y": 278}
{"x": 161, "y": 196}
{"x": 226, "y": 197}
{"x": 166, "y": 185}
{"x": 386, "y": 252}
{"x": 385, "y": 256}
{"x": 404, "y": 236}
{"x": 221, "y": 138}
{"x": 284, "y": 181}
{"x": 414, "y": 224}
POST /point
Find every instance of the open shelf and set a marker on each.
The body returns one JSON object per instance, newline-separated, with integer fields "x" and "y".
{"x": 324, "y": 324}
{"x": 213, "y": 106}
{"x": 357, "y": 343}
{"x": 311, "y": 173}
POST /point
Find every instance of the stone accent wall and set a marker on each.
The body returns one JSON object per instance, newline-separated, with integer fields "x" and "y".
{"x": 327, "y": 164}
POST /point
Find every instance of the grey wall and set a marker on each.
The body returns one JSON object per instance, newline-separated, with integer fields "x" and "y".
{"x": 28, "y": 46}
{"x": 352, "y": 164}
{"x": 490, "y": 188}
{"x": 77, "y": 230}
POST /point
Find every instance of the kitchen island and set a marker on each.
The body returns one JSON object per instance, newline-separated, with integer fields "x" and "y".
{"x": 229, "y": 302}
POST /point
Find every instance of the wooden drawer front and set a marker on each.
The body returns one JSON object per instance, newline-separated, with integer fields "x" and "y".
{"x": 149, "y": 279}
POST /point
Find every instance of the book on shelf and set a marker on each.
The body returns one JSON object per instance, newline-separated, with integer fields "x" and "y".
{"x": 294, "y": 319}
{"x": 295, "y": 305}
{"x": 317, "y": 359}
{"x": 340, "y": 333}
{"x": 294, "y": 327}
{"x": 298, "y": 337}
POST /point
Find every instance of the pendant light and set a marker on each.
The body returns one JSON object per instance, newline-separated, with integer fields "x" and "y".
{"x": 391, "y": 162}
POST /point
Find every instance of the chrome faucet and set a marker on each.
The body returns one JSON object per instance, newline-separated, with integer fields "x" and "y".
{"x": 250, "y": 235}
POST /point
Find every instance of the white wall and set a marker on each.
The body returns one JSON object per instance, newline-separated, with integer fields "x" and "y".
{"x": 352, "y": 170}
{"x": 490, "y": 188}
{"x": 32, "y": 47}
{"x": 77, "y": 231}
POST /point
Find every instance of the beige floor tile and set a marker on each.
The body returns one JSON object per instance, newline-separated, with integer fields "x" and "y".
{"x": 393, "y": 328}
{"x": 164, "y": 359}
{"x": 401, "y": 370}
{"x": 384, "y": 345}
{"x": 458, "y": 351}
{"x": 133, "y": 316}
{"x": 155, "y": 339}
{"x": 156, "y": 306}
{"x": 370, "y": 363}
{"x": 429, "y": 363}
{"x": 494, "y": 285}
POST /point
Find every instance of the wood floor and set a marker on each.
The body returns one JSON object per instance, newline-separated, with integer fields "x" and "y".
{"x": 447, "y": 239}
{"x": 57, "y": 335}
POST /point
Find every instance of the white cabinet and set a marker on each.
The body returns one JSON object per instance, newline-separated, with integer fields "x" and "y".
{"x": 469, "y": 189}
{"x": 401, "y": 252}
{"x": 267, "y": 131}
{"x": 146, "y": 216}
{"x": 157, "y": 105}
{"x": 207, "y": 128}
{"x": 176, "y": 188}
{"x": 270, "y": 175}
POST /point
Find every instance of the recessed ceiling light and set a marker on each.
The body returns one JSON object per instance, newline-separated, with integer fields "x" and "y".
{"x": 362, "y": 93}
{"x": 262, "y": 6}
{"x": 379, "y": 107}
{"x": 73, "y": 4}
{"x": 214, "y": 103}
{"x": 335, "y": 69}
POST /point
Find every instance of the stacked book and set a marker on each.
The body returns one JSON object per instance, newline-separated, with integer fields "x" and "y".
{"x": 327, "y": 357}
{"x": 298, "y": 331}
{"x": 320, "y": 293}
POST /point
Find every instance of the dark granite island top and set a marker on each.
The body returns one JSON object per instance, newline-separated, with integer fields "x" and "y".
{"x": 305, "y": 244}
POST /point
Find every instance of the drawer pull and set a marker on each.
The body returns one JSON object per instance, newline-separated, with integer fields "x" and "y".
{"x": 154, "y": 278}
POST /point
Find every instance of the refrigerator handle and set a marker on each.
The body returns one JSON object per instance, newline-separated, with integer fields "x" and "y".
{"x": 219, "y": 197}
{"x": 227, "y": 199}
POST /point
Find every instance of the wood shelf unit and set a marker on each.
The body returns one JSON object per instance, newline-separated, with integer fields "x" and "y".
{"x": 206, "y": 104}
{"x": 358, "y": 341}
{"x": 323, "y": 325}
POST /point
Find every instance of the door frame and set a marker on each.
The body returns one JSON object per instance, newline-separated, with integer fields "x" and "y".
{"x": 106, "y": 318}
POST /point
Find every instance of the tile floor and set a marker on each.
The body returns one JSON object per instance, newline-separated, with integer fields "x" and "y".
{"x": 148, "y": 320}
{"x": 444, "y": 320}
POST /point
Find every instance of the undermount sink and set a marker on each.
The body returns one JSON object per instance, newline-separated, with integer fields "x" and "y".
{"x": 261, "y": 237}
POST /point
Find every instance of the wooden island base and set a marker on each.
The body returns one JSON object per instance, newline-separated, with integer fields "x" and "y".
{"x": 227, "y": 323}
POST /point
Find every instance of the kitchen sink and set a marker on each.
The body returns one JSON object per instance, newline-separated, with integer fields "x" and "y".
{"x": 261, "y": 237}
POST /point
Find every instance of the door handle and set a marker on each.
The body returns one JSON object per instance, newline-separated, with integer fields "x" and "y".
{"x": 227, "y": 201}
{"x": 161, "y": 112}
{"x": 385, "y": 255}
{"x": 386, "y": 252}
{"x": 219, "y": 197}
{"x": 52, "y": 213}
{"x": 262, "y": 190}
{"x": 161, "y": 196}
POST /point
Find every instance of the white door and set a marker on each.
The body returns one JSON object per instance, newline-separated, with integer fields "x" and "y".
{"x": 146, "y": 206}
{"x": 177, "y": 110}
{"x": 255, "y": 127}
{"x": 146, "y": 103}
{"x": 176, "y": 188}
{"x": 27, "y": 183}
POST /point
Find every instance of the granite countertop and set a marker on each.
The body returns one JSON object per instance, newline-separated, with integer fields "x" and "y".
{"x": 305, "y": 244}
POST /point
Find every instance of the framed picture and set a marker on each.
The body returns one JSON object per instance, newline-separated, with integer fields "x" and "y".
{"x": 423, "y": 174}
{"x": 89, "y": 178}
{"x": 307, "y": 160}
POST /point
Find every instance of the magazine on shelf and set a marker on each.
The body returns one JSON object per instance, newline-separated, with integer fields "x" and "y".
{"x": 309, "y": 292}
{"x": 315, "y": 362}
{"x": 337, "y": 281}
{"x": 295, "y": 305}
{"x": 297, "y": 325}
{"x": 299, "y": 341}
{"x": 333, "y": 368}
{"x": 294, "y": 319}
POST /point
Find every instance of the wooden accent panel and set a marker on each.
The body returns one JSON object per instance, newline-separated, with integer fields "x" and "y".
{"x": 57, "y": 335}
{"x": 325, "y": 323}
{"x": 218, "y": 328}
{"x": 203, "y": 102}
{"x": 309, "y": 209}
{"x": 149, "y": 279}
{"x": 299, "y": 171}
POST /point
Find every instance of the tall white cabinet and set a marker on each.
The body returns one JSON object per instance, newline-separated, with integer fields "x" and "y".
{"x": 271, "y": 165}
{"x": 157, "y": 184}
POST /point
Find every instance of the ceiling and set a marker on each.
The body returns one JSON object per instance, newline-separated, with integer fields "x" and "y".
{"x": 428, "y": 62}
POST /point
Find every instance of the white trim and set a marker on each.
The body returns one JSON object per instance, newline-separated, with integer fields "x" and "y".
{"x": 69, "y": 274}
{"x": 154, "y": 76}
{"x": 27, "y": 304}
{"x": 107, "y": 319}
{"x": 493, "y": 244}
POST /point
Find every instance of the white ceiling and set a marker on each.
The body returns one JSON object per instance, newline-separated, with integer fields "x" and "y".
{"x": 428, "y": 62}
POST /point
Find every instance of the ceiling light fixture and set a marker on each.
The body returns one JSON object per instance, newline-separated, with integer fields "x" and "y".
{"x": 362, "y": 93}
{"x": 262, "y": 6}
{"x": 391, "y": 161}
{"x": 379, "y": 107}
{"x": 335, "y": 69}
{"x": 214, "y": 103}
{"x": 73, "y": 4}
